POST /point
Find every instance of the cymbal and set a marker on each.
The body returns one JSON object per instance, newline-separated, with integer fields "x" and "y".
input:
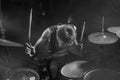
{"x": 5, "y": 42}
{"x": 102, "y": 38}
{"x": 114, "y": 29}
{"x": 75, "y": 69}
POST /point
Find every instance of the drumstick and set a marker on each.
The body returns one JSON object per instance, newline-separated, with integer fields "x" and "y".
{"x": 30, "y": 22}
{"x": 83, "y": 29}
{"x": 69, "y": 19}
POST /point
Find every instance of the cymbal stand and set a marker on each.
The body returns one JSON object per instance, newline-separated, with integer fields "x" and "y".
{"x": 101, "y": 46}
{"x": 100, "y": 61}
{"x": 1, "y": 28}
{"x": 103, "y": 29}
{"x": 7, "y": 54}
{"x": 3, "y": 37}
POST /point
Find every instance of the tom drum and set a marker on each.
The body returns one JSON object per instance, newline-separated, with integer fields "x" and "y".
{"x": 102, "y": 74}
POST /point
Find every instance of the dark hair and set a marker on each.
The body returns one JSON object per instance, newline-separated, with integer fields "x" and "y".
{"x": 66, "y": 34}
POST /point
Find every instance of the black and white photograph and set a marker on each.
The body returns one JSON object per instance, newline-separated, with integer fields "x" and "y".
{"x": 60, "y": 40}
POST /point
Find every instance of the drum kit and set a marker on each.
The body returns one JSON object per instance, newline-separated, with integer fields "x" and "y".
{"x": 76, "y": 70}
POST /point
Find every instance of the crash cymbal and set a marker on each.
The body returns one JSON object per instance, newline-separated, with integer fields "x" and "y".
{"x": 5, "y": 42}
{"x": 114, "y": 29}
{"x": 102, "y": 38}
{"x": 76, "y": 69}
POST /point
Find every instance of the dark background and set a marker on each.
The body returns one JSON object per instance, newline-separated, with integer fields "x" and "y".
{"x": 15, "y": 20}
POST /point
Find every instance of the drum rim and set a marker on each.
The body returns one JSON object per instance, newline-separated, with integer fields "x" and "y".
{"x": 98, "y": 69}
{"x": 72, "y": 62}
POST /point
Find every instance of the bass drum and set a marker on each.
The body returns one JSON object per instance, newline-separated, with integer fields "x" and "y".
{"x": 102, "y": 74}
{"x": 23, "y": 74}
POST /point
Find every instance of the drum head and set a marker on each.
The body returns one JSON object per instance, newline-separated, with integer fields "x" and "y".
{"x": 23, "y": 74}
{"x": 101, "y": 74}
{"x": 76, "y": 69}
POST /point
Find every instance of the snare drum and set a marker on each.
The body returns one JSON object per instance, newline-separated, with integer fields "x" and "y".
{"x": 101, "y": 74}
{"x": 23, "y": 74}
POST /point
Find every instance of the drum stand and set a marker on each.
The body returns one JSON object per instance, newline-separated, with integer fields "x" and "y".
{"x": 5, "y": 48}
{"x": 100, "y": 60}
{"x": 6, "y": 54}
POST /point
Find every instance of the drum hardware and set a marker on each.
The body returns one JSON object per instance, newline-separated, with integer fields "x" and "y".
{"x": 5, "y": 43}
{"x": 76, "y": 69}
{"x": 115, "y": 30}
{"x": 23, "y": 74}
{"x": 102, "y": 38}
{"x": 101, "y": 74}
{"x": 4, "y": 69}
{"x": 1, "y": 27}
{"x": 39, "y": 66}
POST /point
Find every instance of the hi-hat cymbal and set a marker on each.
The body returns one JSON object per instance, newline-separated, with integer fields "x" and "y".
{"x": 5, "y": 42}
{"x": 76, "y": 69}
{"x": 102, "y": 38}
{"x": 114, "y": 29}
